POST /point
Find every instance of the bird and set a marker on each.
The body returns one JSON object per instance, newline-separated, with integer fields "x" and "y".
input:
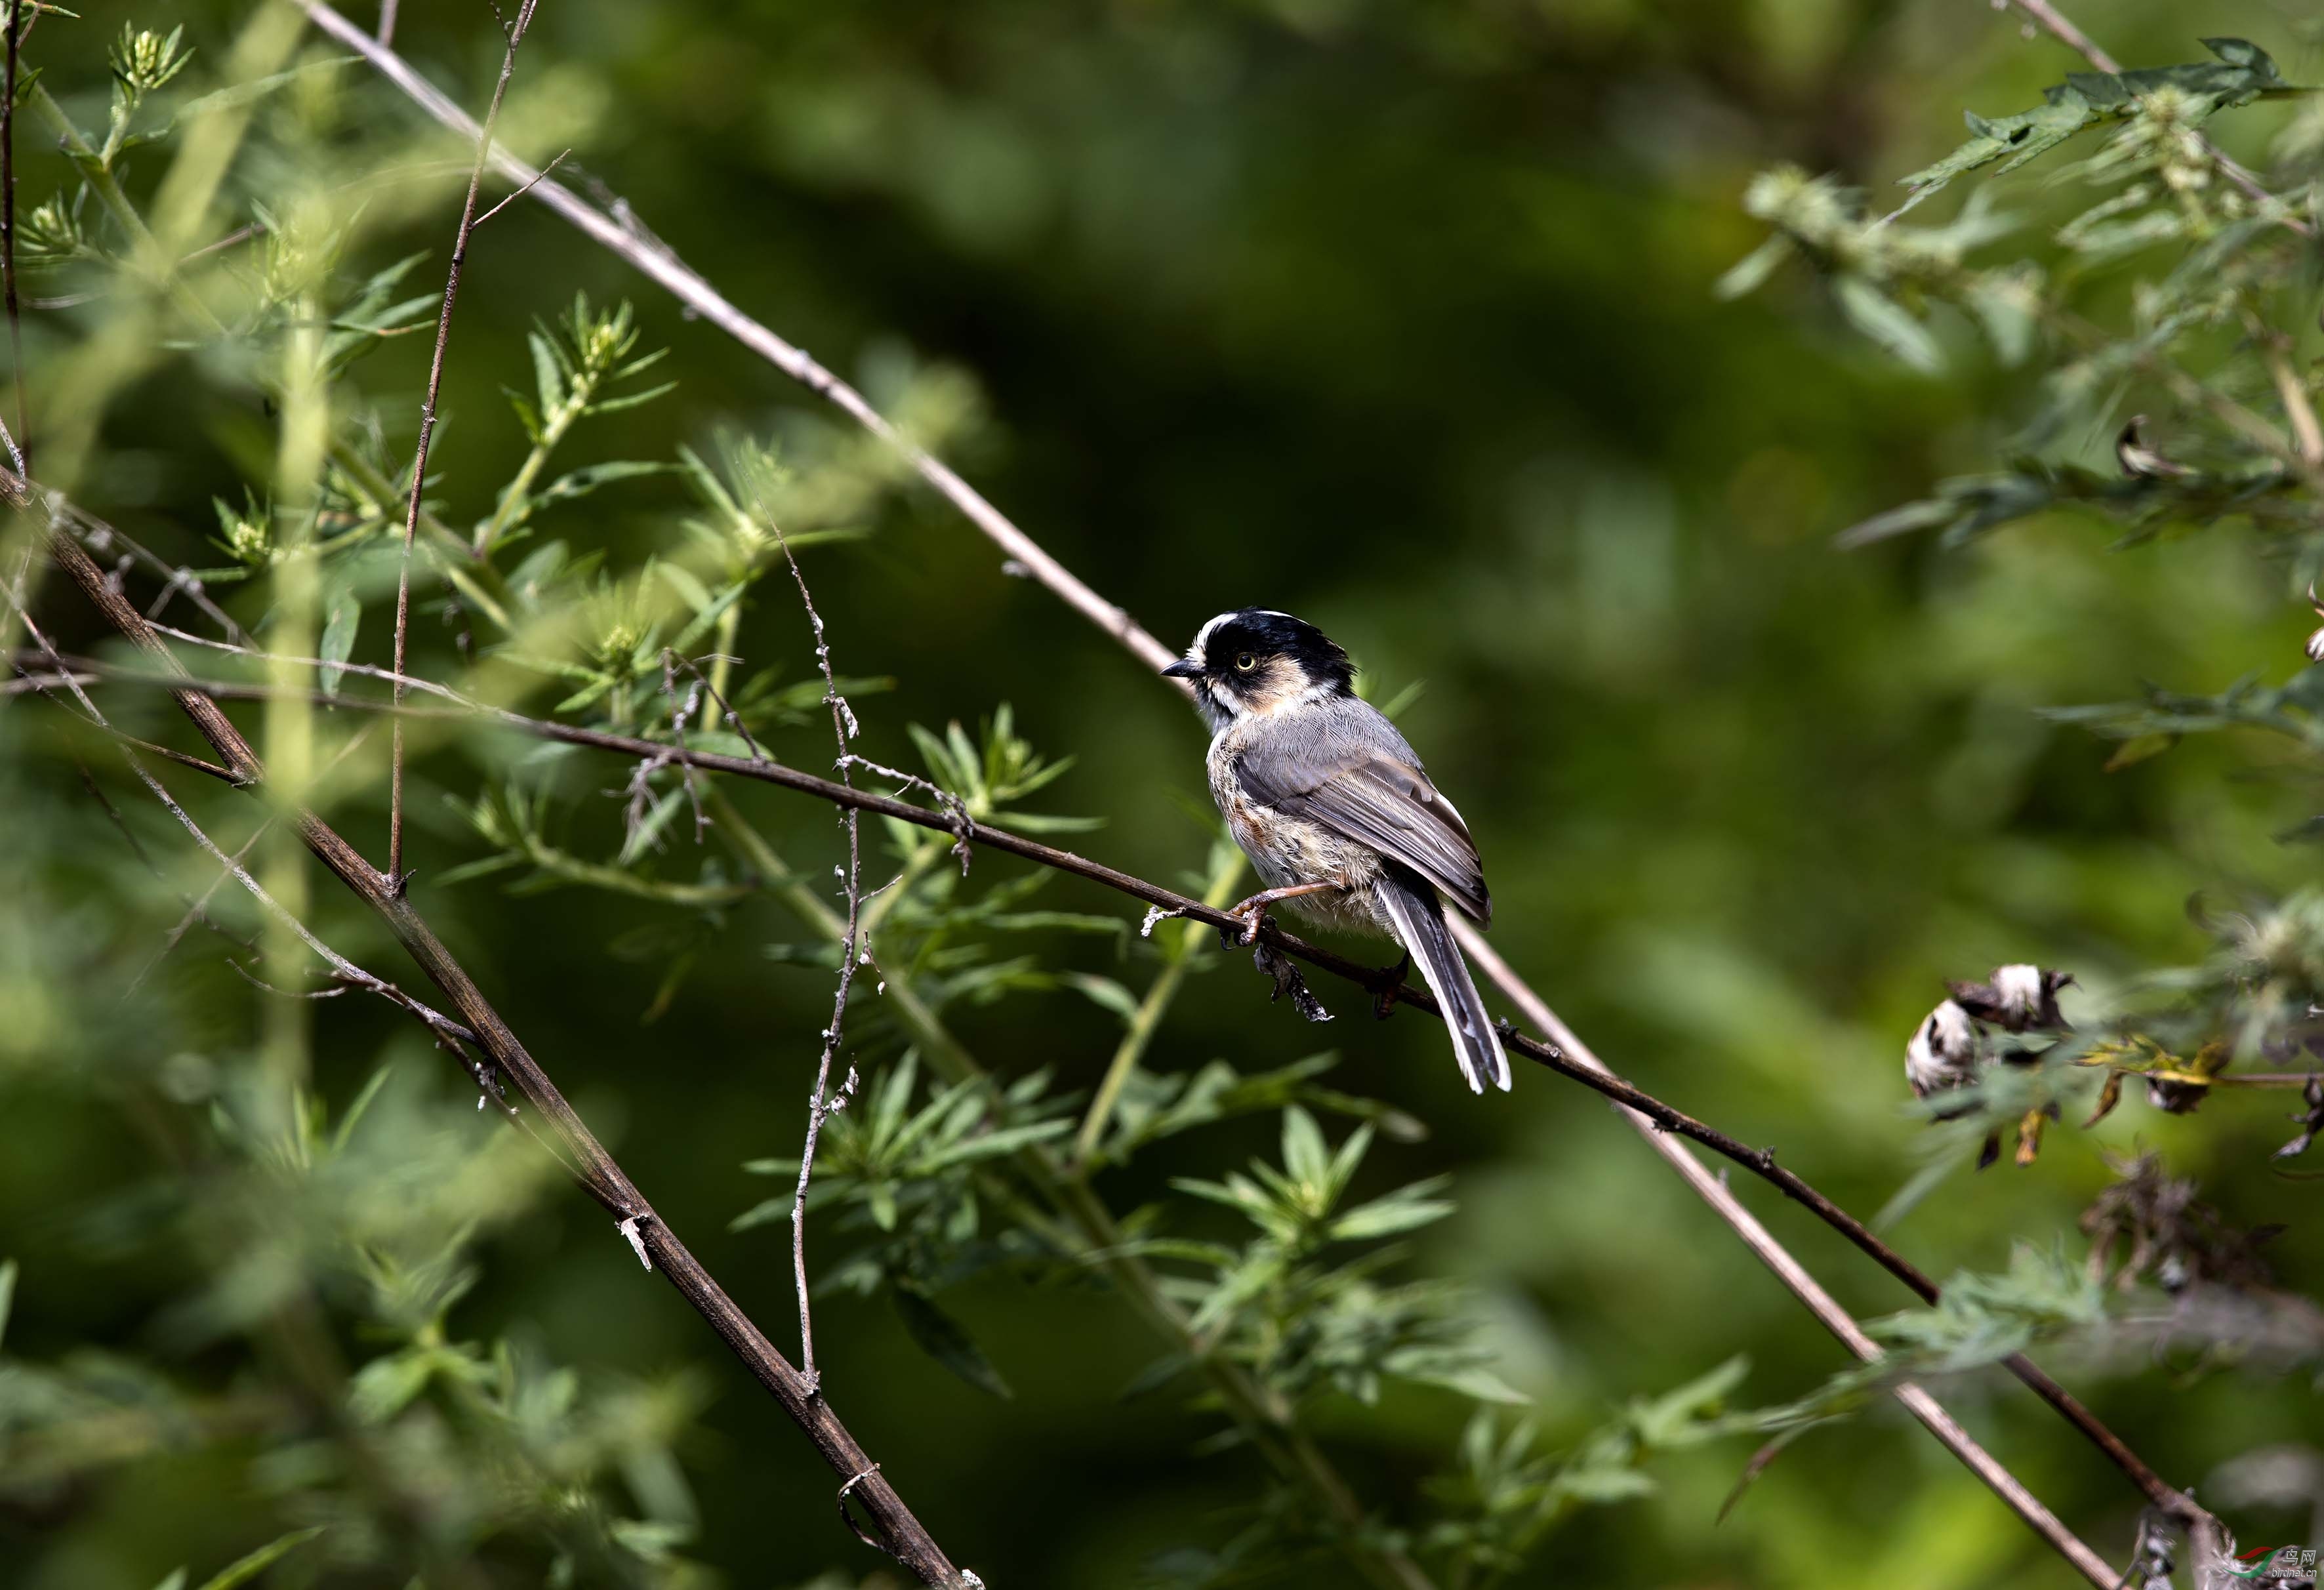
{"x": 1335, "y": 811}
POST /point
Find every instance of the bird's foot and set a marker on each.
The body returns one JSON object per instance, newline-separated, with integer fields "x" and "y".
{"x": 1383, "y": 981}
{"x": 1249, "y": 917}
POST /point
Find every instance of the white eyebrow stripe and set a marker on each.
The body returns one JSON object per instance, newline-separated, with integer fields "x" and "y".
{"x": 1203, "y": 636}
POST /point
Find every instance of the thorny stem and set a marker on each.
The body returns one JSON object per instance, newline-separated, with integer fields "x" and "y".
{"x": 428, "y": 424}
{"x": 821, "y": 1103}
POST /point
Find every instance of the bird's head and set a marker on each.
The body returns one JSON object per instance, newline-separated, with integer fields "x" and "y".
{"x": 1256, "y": 661}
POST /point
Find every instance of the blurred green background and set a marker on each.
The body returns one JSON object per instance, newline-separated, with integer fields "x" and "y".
{"x": 1397, "y": 316}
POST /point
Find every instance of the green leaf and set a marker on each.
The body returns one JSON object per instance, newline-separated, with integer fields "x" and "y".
{"x": 630, "y": 399}
{"x": 1405, "y": 1210}
{"x": 7, "y": 1294}
{"x": 1482, "y": 1385}
{"x": 940, "y": 1337}
{"x": 1103, "y": 991}
{"x": 1751, "y": 272}
{"x": 343, "y": 615}
{"x": 249, "y": 1567}
{"x": 1304, "y": 1153}
{"x": 362, "y": 1105}
{"x": 580, "y": 483}
{"x": 2242, "y": 73}
{"x": 549, "y": 372}
{"x": 2137, "y": 749}
{"x": 384, "y": 1387}
{"x": 1887, "y": 322}
{"x": 1670, "y": 1419}
{"x": 2016, "y": 138}
{"x": 690, "y": 590}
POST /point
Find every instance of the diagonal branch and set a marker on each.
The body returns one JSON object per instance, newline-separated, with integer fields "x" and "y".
{"x": 516, "y": 32}
{"x": 902, "y": 1534}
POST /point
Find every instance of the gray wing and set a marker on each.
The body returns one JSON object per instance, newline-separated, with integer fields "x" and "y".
{"x": 1345, "y": 766}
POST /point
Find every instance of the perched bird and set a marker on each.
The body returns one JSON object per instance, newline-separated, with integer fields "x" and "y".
{"x": 1334, "y": 809}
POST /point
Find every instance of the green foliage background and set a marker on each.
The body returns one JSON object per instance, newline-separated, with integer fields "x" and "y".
{"x": 1399, "y": 317}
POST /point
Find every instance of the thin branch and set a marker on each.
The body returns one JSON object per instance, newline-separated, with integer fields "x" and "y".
{"x": 725, "y": 707}
{"x": 196, "y": 910}
{"x": 20, "y": 446}
{"x": 600, "y": 1175}
{"x": 520, "y": 192}
{"x": 201, "y": 902}
{"x": 102, "y": 538}
{"x": 427, "y": 420}
{"x": 821, "y": 1103}
{"x": 341, "y": 967}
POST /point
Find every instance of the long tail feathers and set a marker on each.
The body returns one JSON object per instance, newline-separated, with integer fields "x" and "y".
{"x": 1419, "y": 918}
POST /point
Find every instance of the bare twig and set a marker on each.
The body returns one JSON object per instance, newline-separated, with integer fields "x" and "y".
{"x": 821, "y": 1103}
{"x": 516, "y": 32}
{"x": 102, "y": 538}
{"x": 520, "y": 192}
{"x": 681, "y": 709}
{"x": 963, "y": 822}
{"x": 342, "y": 967}
{"x": 599, "y": 1174}
{"x": 196, "y": 910}
{"x": 201, "y": 902}
{"x": 725, "y": 707}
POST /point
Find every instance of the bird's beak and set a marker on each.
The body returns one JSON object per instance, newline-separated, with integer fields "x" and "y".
{"x": 1183, "y": 669}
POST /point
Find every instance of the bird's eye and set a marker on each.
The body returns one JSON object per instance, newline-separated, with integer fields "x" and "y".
{"x": 1245, "y": 662}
